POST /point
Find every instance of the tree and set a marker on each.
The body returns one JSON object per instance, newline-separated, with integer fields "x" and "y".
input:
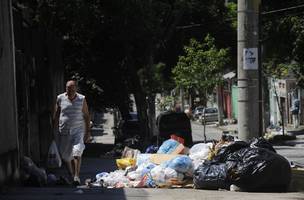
{"x": 282, "y": 33}
{"x": 201, "y": 66}
{"x": 232, "y": 14}
{"x": 285, "y": 29}
{"x": 114, "y": 46}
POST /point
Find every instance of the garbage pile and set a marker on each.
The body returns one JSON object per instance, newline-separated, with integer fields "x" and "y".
{"x": 275, "y": 133}
{"x": 33, "y": 176}
{"x": 226, "y": 164}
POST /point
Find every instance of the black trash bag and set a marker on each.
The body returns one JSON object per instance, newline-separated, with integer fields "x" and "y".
{"x": 259, "y": 170}
{"x": 261, "y": 143}
{"x": 225, "y": 151}
{"x": 211, "y": 175}
{"x": 31, "y": 174}
{"x": 116, "y": 152}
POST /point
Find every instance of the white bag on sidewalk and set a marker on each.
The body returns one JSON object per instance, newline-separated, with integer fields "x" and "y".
{"x": 53, "y": 159}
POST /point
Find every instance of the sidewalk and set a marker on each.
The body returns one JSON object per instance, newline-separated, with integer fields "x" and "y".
{"x": 293, "y": 150}
{"x": 289, "y": 128}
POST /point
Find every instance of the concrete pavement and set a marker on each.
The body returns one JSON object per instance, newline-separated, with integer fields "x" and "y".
{"x": 105, "y": 136}
{"x": 140, "y": 194}
{"x": 293, "y": 150}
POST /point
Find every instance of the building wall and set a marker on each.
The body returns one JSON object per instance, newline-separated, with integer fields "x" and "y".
{"x": 284, "y": 90}
{"x": 9, "y": 155}
{"x": 40, "y": 77}
{"x": 31, "y": 75}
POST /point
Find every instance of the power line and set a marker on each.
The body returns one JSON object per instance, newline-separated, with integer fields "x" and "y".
{"x": 283, "y": 9}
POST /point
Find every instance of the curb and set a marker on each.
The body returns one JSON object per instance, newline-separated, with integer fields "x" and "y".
{"x": 297, "y": 180}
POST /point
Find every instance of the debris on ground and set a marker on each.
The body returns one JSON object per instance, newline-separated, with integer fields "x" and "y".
{"x": 222, "y": 165}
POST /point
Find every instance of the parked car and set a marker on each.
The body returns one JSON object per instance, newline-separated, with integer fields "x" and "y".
{"x": 177, "y": 123}
{"x": 209, "y": 115}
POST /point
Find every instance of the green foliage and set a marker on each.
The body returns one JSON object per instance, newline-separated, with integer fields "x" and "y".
{"x": 275, "y": 69}
{"x": 298, "y": 70}
{"x": 166, "y": 102}
{"x": 201, "y": 66}
{"x": 232, "y": 14}
{"x": 283, "y": 39}
{"x": 117, "y": 44}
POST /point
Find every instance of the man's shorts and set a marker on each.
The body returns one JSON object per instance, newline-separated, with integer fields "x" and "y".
{"x": 70, "y": 143}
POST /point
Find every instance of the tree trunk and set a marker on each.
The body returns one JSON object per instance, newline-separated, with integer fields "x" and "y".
{"x": 182, "y": 99}
{"x": 141, "y": 106}
{"x": 152, "y": 116}
{"x": 203, "y": 98}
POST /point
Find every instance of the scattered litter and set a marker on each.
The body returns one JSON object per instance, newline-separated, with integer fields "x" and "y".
{"x": 79, "y": 191}
{"x": 224, "y": 165}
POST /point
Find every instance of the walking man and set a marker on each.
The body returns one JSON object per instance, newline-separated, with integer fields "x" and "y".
{"x": 295, "y": 110}
{"x": 71, "y": 119}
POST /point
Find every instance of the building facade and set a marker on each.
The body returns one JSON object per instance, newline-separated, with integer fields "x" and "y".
{"x": 281, "y": 96}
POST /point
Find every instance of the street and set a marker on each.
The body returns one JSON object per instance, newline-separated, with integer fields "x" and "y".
{"x": 66, "y": 66}
{"x": 94, "y": 164}
{"x": 212, "y": 133}
{"x": 292, "y": 150}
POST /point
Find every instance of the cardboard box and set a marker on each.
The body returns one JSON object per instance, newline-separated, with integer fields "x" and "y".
{"x": 160, "y": 158}
{"x": 179, "y": 149}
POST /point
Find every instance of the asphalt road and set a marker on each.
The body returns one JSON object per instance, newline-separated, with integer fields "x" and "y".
{"x": 292, "y": 150}
{"x": 212, "y": 133}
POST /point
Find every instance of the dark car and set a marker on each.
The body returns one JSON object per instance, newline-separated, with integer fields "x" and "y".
{"x": 127, "y": 129}
{"x": 209, "y": 115}
{"x": 177, "y": 123}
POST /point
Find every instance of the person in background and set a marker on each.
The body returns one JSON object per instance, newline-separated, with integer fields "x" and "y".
{"x": 71, "y": 121}
{"x": 295, "y": 109}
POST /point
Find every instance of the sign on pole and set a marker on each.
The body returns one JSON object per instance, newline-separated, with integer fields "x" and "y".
{"x": 250, "y": 58}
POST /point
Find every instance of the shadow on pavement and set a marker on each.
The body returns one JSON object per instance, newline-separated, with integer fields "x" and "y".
{"x": 61, "y": 193}
{"x": 92, "y": 163}
{"x": 296, "y": 132}
{"x": 96, "y": 150}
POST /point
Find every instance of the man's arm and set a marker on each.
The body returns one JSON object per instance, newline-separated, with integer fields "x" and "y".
{"x": 86, "y": 116}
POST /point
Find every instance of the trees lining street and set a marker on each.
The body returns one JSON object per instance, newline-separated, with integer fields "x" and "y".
{"x": 120, "y": 48}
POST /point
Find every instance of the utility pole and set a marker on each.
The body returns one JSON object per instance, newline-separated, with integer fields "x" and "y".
{"x": 248, "y": 75}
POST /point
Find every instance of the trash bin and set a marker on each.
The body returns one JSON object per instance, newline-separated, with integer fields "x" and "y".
{"x": 176, "y": 123}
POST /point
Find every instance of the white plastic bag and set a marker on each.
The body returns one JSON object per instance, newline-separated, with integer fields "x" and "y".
{"x": 200, "y": 151}
{"x": 53, "y": 159}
